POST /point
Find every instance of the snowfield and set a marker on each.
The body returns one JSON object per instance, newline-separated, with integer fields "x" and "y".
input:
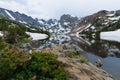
{"x": 10, "y": 15}
{"x": 37, "y": 36}
{"x": 111, "y": 35}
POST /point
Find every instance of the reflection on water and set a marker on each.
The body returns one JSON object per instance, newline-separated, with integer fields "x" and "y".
{"x": 56, "y": 39}
{"x": 107, "y": 51}
{"x": 103, "y": 48}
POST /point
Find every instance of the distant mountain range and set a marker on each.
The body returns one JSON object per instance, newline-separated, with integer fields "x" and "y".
{"x": 100, "y": 21}
{"x": 65, "y": 22}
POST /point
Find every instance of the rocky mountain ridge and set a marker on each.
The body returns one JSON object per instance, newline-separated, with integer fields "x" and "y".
{"x": 19, "y": 17}
{"x": 66, "y": 22}
{"x": 97, "y": 22}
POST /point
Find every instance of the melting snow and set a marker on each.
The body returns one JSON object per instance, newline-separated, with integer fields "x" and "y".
{"x": 77, "y": 34}
{"x": 87, "y": 26}
{"x": 114, "y": 18}
{"x": 92, "y": 27}
{"x": 66, "y": 23}
{"x": 109, "y": 15}
{"x": 111, "y": 35}
{"x": 10, "y": 15}
{"x": 37, "y": 36}
{"x": 27, "y": 26}
{"x": 23, "y": 22}
{"x": 1, "y": 34}
{"x": 32, "y": 28}
{"x": 81, "y": 29}
{"x": 40, "y": 21}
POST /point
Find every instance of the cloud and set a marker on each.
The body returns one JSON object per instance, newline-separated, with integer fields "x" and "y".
{"x": 55, "y": 8}
{"x": 12, "y": 5}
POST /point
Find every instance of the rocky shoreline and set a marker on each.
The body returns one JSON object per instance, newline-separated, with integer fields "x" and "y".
{"x": 77, "y": 66}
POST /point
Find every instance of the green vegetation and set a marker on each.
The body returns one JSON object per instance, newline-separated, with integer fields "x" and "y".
{"x": 114, "y": 78}
{"x": 42, "y": 66}
{"x": 97, "y": 22}
{"x": 14, "y": 32}
{"x": 72, "y": 54}
{"x": 113, "y": 26}
{"x": 19, "y": 65}
{"x": 9, "y": 61}
{"x": 99, "y": 27}
{"x": 81, "y": 58}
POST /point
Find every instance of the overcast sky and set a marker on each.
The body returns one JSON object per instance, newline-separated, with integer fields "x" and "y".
{"x": 55, "y": 8}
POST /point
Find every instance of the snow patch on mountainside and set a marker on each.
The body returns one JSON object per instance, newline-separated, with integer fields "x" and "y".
{"x": 37, "y": 36}
{"x": 1, "y": 34}
{"x": 110, "y": 15}
{"x": 23, "y": 22}
{"x": 111, "y": 35}
{"x": 66, "y": 23}
{"x": 92, "y": 27}
{"x": 114, "y": 18}
{"x": 81, "y": 29}
{"x": 40, "y": 21}
{"x": 9, "y": 15}
{"x": 88, "y": 26}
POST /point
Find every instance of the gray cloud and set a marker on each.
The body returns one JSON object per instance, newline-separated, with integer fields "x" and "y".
{"x": 55, "y": 8}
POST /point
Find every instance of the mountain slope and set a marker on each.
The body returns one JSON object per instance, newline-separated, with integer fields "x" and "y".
{"x": 98, "y": 22}
{"x": 91, "y": 25}
{"x": 22, "y": 18}
{"x": 12, "y": 31}
{"x": 66, "y": 22}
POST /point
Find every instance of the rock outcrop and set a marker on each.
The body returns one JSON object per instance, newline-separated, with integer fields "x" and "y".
{"x": 77, "y": 69}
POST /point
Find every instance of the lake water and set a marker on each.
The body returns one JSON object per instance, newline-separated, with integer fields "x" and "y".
{"x": 107, "y": 51}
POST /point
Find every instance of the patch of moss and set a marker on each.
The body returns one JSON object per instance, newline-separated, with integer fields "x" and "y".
{"x": 83, "y": 60}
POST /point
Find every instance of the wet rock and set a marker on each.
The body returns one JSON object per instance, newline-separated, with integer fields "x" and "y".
{"x": 98, "y": 63}
{"x": 64, "y": 47}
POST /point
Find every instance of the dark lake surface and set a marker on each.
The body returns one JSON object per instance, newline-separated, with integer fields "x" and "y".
{"x": 107, "y": 51}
